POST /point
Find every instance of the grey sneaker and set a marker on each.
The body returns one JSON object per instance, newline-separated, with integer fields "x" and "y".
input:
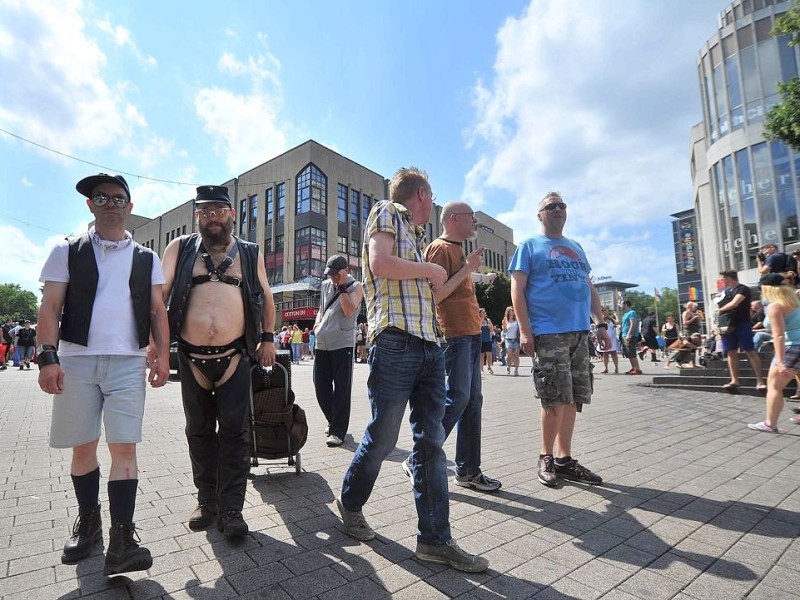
{"x": 355, "y": 525}
{"x": 450, "y": 554}
{"x": 407, "y": 470}
{"x": 479, "y": 482}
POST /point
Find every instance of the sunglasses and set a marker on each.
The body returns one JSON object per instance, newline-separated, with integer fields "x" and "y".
{"x": 217, "y": 212}
{"x": 99, "y": 199}
{"x": 553, "y": 206}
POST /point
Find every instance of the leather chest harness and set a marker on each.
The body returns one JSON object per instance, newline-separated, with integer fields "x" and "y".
{"x": 218, "y": 273}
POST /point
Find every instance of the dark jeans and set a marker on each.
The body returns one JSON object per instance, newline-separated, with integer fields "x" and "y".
{"x": 405, "y": 370}
{"x": 464, "y": 402}
{"x": 220, "y": 458}
{"x": 333, "y": 382}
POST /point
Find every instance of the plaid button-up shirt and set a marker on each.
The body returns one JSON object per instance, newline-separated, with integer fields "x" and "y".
{"x": 408, "y": 303}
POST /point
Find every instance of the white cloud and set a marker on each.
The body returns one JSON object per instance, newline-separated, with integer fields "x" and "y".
{"x": 582, "y": 100}
{"x": 60, "y": 96}
{"x": 245, "y": 127}
{"x": 122, "y": 37}
{"x": 25, "y": 182}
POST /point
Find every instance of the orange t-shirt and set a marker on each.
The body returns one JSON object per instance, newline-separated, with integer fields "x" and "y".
{"x": 458, "y": 313}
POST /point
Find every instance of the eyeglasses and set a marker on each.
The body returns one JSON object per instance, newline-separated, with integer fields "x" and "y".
{"x": 217, "y": 212}
{"x": 99, "y": 199}
{"x": 553, "y": 206}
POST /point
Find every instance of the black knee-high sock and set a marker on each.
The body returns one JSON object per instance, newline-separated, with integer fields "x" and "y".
{"x": 122, "y": 499}
{"x": 87, "y": 488}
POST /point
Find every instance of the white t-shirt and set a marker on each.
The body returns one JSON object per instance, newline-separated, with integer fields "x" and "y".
{"x": 512, "y": 330}
{"x": 113, "y": 328}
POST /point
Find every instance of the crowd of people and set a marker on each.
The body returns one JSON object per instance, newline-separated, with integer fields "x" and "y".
{"x": 110, "y": 302}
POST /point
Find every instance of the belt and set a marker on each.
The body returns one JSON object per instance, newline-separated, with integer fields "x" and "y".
{"x": 412, "y": 340}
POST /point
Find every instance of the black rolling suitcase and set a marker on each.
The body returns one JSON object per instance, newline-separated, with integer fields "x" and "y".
{"x": 278, "y": 426}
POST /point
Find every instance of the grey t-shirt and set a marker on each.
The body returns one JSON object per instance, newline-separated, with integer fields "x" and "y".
{"x": 336, "y": 330}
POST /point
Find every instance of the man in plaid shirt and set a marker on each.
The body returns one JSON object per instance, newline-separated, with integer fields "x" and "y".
{"x": 406, "y": 366}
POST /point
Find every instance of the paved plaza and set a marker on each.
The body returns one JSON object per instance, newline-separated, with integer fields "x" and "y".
{"x": 695, "y": 506}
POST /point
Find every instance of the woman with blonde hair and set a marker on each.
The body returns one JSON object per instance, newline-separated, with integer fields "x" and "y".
{"x": 691, "y": 319}
{"x": 511, "y": 327}
{"x": 783, "y": 319}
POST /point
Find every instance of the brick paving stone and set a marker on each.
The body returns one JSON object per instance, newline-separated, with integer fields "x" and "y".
{"x": 693, "y": 503}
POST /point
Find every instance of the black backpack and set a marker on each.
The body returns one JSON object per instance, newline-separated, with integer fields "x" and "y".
{"x": 25, "y": 337}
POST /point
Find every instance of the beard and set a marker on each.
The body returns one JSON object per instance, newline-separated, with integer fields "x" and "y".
{"x": 216, "y": 237}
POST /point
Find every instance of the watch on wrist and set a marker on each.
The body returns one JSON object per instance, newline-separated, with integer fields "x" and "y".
{"x": 46, "y": 348}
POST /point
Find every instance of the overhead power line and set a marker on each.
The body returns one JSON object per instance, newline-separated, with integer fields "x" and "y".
{"x": 119, "y": 171}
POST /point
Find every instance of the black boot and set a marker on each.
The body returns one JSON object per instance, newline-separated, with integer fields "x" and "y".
{"x": 124, "y": 554}
{"x": 87, "y": 530}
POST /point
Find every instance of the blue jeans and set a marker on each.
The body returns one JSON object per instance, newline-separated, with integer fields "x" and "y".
{"x": 464, "y": 402}
{"x": 296, "y": 352}
{"x": 405, "y": 369}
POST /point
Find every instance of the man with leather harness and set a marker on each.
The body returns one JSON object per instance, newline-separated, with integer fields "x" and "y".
{"x": 222, "y": 314}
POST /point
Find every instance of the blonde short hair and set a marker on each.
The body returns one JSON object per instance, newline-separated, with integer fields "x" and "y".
{"x": 691, "y": 305}
{"x": 406, "y": 182}
{"x": 781, "y": 294}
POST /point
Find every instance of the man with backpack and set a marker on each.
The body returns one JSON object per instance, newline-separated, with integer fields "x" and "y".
{"x": 335, "y": 329}
{"x": 772, "y": 261}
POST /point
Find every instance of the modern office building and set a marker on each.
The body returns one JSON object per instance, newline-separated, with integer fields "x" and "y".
{"x": 746, "y": 189}
{"x": 303, "y": 206}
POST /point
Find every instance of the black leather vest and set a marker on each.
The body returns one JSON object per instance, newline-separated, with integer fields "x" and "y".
{"x": 252, "y": 292}
{"x": 82, "y": 288}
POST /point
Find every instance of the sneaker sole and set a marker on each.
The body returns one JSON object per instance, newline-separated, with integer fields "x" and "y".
{"x": 579, "y": 480}
{"x": 546, "y": 483}
{"x": 466, "y": 568}
{"x": 477, "y": 486}
{"x": 141, "y": 563}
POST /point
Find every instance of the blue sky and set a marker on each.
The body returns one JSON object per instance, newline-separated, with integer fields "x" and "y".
{"x": 499, "y": 101}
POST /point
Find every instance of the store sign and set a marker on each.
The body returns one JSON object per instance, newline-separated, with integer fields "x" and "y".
{"x": 299, "y": 313}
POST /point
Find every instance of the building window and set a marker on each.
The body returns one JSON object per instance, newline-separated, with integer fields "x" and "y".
{"x": 253, "y": 211}
{"x": 341, "y": 211}
{"x": 354, "y": 206}
{"x": 354, "y": 248}
{"x": 268, "y": 207}
{"x": 268, "y": 246}
{"x": 279, "y": 243}
{"x": 312, "y": 191}
{"x": 243, "y": 216}
{"x": 275, "y": 275}
{"x": 281, "y": 195}
{"x": 310, "y": 244}
{"x": 366, "y": 204}
{"x": 341, "y": 244}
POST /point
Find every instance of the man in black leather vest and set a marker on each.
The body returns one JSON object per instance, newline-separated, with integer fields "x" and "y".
{"x": 102, "y": 301}
{"x": 222, "y": 314}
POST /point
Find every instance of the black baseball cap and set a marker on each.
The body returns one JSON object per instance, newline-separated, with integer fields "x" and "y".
{"x": 86, "y": 185}
{"x": 773, "y": 279}
{"x": 335, "y": 263}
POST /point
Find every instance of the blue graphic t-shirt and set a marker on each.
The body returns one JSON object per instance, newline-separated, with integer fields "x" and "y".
{"x": 627, "y": 320}
{"x": 558, "y": 293}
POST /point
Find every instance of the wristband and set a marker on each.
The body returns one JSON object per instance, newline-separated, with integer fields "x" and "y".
{"x": 601, "y": 326}
{"x": 49, "y": 357}
{"x": 265, "y": 336}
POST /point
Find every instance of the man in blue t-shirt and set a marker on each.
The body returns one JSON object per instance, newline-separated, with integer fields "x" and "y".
{"x": 553, "y": 300}
{"x": 630, "y": 332}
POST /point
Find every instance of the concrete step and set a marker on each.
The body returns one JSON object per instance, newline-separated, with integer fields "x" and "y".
{"x": 699, "y": 387}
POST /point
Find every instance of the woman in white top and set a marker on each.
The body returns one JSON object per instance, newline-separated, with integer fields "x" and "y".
{"x": 611, "y": 322}
{"x": 511, "y": 327}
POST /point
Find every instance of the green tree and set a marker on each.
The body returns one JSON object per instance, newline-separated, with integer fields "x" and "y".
{"x": 495, "y": 297}
{"x": 17, "y": 303}
{"x": 783, "y": 120}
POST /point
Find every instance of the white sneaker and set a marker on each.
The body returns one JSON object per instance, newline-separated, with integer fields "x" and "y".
{"x": 333, "y": 440}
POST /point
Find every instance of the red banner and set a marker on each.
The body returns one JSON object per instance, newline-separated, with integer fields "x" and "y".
{"x": 299, "y": 313}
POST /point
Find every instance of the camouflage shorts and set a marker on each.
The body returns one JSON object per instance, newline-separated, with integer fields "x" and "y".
{"x": 562, "y": 373}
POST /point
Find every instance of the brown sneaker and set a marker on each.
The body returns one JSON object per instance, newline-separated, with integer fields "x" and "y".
{"x": 547, "y": 471}
{"x": 450, "y": 554}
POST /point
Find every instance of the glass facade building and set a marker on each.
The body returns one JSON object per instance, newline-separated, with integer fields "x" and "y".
{"x": 746, "y": 188}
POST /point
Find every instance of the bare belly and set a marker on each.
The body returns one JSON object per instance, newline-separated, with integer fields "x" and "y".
{"x": 214, "y": 315}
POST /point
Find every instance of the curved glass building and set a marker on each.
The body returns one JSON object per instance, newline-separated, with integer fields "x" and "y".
{"x": 746, "y": 189}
